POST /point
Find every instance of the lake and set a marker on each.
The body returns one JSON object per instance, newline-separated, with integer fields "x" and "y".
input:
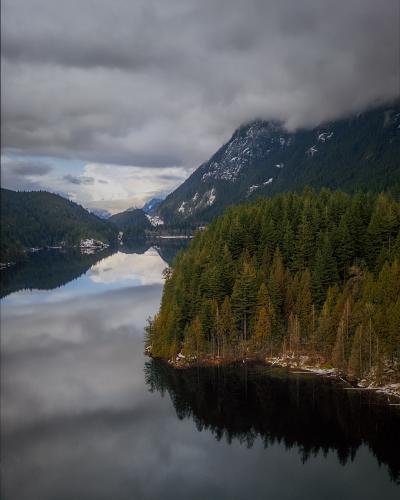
{"x": 85, "y": 415}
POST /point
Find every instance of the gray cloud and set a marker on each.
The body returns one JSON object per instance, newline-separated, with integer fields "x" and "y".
{"x": 164, "y": 83}
{"x": 32, "y": 170}
{"x": 23, "y": 175}
{"x": 79, "y": 180}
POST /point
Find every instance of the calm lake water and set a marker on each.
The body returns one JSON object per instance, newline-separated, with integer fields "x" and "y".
{"x": 85, "y": 415}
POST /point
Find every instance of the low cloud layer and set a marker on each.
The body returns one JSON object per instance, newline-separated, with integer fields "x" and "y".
{"x": 162, "y": 84}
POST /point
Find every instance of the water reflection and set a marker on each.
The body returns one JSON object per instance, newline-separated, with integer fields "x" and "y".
{"x": 72, "y": 395}
{"x": 315, "y": 415}
{"x": 142, "y": 269}
{"x": 166, "y": 248}
{"x": 140, "y": 263}
{"x": 78, "y": 420}
{"x": 48, "y": 269}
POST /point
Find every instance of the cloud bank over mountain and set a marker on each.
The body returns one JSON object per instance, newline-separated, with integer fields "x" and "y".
{"x": 149, "y": 83}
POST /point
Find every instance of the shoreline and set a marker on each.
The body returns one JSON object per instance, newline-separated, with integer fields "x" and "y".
{"x": 294, "y": 365}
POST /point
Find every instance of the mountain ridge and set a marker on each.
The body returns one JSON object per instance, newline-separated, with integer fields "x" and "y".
{"x": 262, "y": 159}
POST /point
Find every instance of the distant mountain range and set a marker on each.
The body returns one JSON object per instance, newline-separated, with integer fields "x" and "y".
{"x": 39, "y": 219}
{"x": 151, "y": 206}
{"x": 100, "y": 213}
{"x": 262, "y": 159}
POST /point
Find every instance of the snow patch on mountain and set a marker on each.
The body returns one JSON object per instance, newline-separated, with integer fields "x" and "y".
{"x": 198, "y": 202}
{"x": 252, "y": 189}
{"x": 209, "y": 197}
{"x": 182, "y": 208}
{"x": 248, "y": 145}
{"x": 324, "y": 136}
{"x": 257, "y": 186}
{"x": 155, "y": 220}
{"x": 311, "y": 151}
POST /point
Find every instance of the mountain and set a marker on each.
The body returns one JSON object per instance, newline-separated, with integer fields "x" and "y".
{"x": 131, "y": 217}
{"x": 133, "y": 222}
{"x": 100, "y": 213}
{"x": 262, "y": 159}
{"x": 37, "y": 219}
{"x": 151, "y": 206}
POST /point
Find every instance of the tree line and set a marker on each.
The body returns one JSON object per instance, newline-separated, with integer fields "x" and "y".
{"x": 39, "y": 219}
{"x": 311, "y": 274}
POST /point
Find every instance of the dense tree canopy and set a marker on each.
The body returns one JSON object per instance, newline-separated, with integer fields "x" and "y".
{"x": 315, "y": 274}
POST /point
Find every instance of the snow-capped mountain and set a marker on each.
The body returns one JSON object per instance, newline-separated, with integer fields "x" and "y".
{"x": 248, "y": 145}
{"x": 262, "y": 158}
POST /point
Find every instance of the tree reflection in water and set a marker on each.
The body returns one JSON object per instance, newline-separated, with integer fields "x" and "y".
{"x": 317, "y": 415}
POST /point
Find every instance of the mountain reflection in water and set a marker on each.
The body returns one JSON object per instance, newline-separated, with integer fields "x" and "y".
{"x": 244, "y": 402}
{"x": 50, "y": 269}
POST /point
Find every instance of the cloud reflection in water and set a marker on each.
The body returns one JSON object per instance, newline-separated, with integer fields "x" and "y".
{"x": 78, "y": 420}
{"x": 142, "y": 269}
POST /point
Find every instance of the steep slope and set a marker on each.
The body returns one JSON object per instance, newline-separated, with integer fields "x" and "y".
{"x": 262, "y": 158}
{"x": 151, "y": 206}
{"x": 38, "y": 218}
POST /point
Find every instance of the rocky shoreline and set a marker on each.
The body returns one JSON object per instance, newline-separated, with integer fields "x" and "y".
{"x": 300, "y": 364}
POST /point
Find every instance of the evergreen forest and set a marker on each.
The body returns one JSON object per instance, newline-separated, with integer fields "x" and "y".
{"x": 313, "y": 275}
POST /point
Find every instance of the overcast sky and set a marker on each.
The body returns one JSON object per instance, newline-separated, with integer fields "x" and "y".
{"x": 111, "y": 102}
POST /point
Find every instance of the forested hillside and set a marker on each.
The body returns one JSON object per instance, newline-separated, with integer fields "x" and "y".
{"x": 37, "y": 219}
{"x": 312, "y": 274}
{"x": 132, "y": 222}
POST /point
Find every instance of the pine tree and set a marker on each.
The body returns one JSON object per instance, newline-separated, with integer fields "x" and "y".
{"x": 262, "y": 333}
{"x": 294, "y": 334}
{"x": 356, "y": 359}
{"x": 304, "y": 306}
{"x": 338, "y": 353}
{"x": 244, "y": 297}
{"x": 277, "y": 280}
{"x": 228, "y": 328}
{"x": 344, "y": 248}
{"x": 324, "y": 270}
